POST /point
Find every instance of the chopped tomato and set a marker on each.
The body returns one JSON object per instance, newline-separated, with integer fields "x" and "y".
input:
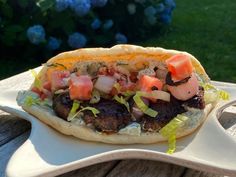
{"x": 51, "y": 70}
{"x": 43, "y": 96}
{"x": 180, "y": 67}
{"x": 40, "y": 93}
{"x": 148, "y": 83}
{"x": 80, "y": 87}
{"x": 36, "y": 90}
{"x": 133, "y": 76}
{"x": 47, "y": 85}
{"x": 59, "y": 79}
{"x": 186, "y": 90}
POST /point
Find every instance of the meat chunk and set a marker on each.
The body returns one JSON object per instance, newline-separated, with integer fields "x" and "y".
{"x": 62, "y": 104}
{"x": 112, "y": 117}
{"x": 197, "y": 101}
{"x": 166, "y": 112}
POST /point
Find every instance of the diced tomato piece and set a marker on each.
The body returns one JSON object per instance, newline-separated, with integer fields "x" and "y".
{"x": 80, "y": 87}
{"x": 180, "y": 67}
{"x": 58, "y": 79}
{"x": 43, "y": 96}
{"x": 133, "y": 77}
{"x": 36, "y": 90}
{"x": 47, "y": 85}
{"x": 51, "y": 70}
{"x": 148, "y": 83}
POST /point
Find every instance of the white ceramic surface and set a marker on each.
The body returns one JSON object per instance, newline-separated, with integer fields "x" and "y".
{"x": 48, "y": 153}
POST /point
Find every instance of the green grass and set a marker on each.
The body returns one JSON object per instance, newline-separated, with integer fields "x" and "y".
{"x": 207, "y": 30}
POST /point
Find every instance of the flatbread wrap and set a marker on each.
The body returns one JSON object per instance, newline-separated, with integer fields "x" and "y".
{"x": 122, "y": 95}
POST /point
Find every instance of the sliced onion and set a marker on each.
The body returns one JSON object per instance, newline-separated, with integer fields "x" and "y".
{"x": 137, "y": 113}
{"x": 105, "y": 83}
{"x": 157, "y": 94}
{"x": 186, "y": 90}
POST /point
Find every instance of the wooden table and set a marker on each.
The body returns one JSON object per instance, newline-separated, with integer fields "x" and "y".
{"x": 14, "y": 131}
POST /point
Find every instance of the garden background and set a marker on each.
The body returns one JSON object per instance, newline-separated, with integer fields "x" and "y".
{"x": 204, "y": 28}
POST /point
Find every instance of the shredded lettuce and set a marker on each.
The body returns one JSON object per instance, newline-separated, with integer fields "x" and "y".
{"x": 46, "y": 102}
{"x": 223, "y": 95}
{"x": 30, "y": 100}
{"x": 95, "y": 97}
{"x": 170, "y": 129}
{"x": 143, "y": 107}
{"x": 75, "y": 106}
{"x": 92, "y": 109}
{"x": 37, "y": 81}
{"x": 121, "y": 100}
{"x": 212, "y": 93}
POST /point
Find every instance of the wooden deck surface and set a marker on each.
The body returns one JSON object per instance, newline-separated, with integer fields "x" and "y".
{"x": 14, "y": 132}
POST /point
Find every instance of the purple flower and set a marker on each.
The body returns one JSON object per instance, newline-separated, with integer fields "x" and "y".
{"x": 53, "y": 43}
{"x": 98, "y": 3}
{"x": 170, "y": 3}
{"x": 160, "y": 7}
{"x": 36, "y": 34}
{"x": 96, "y": 24}
{"x": 150, "y": 11}
{"x": 165, "y": 18}
{"x": 120, "y": 38}
{"x": 108, "y": 24}
{"x": 77, "y": 40}
{"x": 80, "y": 7}
{"x": 62, "y": 4}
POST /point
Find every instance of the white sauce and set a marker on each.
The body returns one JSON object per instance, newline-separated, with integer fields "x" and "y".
{"x": 132, "y": 129}
{"x": 22, "y": 95}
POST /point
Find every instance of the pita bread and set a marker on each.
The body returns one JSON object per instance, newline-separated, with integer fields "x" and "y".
{"x": 126, "y": 53}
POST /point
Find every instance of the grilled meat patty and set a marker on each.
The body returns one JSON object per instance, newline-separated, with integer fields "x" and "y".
{"x": 62, "y": 104}
{"x": 166, "y": 112}
{"x": 113, "y": 116}
{"x": 197, "y": 101}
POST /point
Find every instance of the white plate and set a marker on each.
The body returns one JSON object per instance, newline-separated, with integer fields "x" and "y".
{"x": 48, "y": 152}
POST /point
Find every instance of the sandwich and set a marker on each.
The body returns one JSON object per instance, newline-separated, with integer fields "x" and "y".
{"x": 122, "y": 95}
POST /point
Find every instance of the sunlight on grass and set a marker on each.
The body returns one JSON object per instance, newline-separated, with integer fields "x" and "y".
{"x": 207, "y": 30}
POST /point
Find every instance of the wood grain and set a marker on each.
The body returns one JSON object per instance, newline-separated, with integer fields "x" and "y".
{"x": 8, "y": 149}
{"x": 11, "y": 127}
{"x": 195, "y": 173}
{"x": 145, "y": 168}
{"x": 98, "y": 170}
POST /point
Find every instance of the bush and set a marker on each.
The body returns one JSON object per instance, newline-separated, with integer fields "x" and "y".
{"x": 39, "y": 29}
